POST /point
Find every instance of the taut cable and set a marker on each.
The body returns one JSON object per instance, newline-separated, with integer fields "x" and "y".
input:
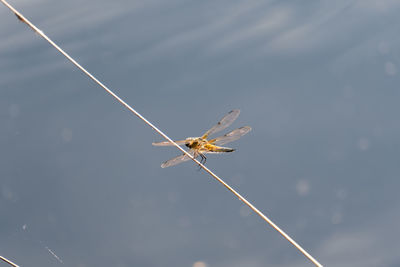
{"x": 265, "y": 218}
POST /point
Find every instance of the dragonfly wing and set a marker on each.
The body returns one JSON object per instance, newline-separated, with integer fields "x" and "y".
{"x": 232, "y": 136}
{"x": 167, "y": 143}
{"x": 177, "y": 160}
{"x": 223, "y": 123}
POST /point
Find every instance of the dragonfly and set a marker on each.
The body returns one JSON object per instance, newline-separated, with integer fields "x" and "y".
{"x": 199, "y": 146}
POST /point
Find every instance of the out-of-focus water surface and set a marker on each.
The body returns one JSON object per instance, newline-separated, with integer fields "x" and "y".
{"x": 318, "y": 81}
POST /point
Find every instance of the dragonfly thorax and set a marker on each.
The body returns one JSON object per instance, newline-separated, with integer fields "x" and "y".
{"x": 195, "y": 142}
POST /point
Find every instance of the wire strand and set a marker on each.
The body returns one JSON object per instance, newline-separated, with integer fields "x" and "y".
{"x": 8, "y": 261}
{"x": 265, "y": 218}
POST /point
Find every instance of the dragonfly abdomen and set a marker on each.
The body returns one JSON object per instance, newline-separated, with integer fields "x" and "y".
{"x": 217, "y": 149}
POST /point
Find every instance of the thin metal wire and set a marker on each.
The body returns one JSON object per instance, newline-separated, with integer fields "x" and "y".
{"x": 33, "y": 27}
{"x": 8, "y": 261}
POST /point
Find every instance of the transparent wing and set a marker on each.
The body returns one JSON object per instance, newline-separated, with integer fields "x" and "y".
{"x": 232, "y": 136}
{"x": 223, "y": 123}
{"x": 166, "y": 143}
{"x": 177, "y": 160}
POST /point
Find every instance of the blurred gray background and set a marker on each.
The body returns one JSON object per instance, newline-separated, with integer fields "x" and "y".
{"x": 317, "y": 80}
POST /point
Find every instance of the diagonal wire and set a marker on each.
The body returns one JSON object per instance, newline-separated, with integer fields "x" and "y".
{"x": 265, "y": 218}
{"x": 8, "y": 261}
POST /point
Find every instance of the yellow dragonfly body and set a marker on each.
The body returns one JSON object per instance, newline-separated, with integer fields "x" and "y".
{"x": 198, "y": 146}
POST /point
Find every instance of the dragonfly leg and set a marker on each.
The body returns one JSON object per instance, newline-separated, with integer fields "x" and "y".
{"x": 205, "y": 159}
{"x": 202, "y": 160}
